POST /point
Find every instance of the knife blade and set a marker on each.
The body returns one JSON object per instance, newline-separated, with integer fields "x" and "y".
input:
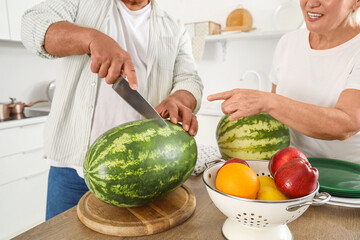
{"x": 135, "y": 100}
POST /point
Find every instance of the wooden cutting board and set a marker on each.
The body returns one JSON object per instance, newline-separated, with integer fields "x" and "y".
{"x": 158, "y": 216}
{"x": 239, "y": 20}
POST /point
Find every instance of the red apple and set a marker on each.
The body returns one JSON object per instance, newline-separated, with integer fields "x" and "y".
{"x": 296, "y": 178}
{"x": 282, "y": 156}
{"x": 234, "y": 160}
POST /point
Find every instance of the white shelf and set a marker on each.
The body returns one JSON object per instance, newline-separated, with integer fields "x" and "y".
{"x": 255, "y": 34}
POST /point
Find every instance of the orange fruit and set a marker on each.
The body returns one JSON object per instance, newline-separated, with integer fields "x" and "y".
{"x": 238, "y": 180}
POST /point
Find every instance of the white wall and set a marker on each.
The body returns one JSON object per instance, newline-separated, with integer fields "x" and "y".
{"x": 203, "y": 10}
{"x": 22, "y": 74}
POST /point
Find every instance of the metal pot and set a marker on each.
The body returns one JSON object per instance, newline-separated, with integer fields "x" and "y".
{"x": 18, "y": 107}
{"x": 5, "y": 109}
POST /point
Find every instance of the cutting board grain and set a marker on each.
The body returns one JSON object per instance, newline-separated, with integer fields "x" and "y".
{"x": 161, "y": 215}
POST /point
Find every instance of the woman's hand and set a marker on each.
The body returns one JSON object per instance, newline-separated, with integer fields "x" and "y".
{"x": 179, "y": 108}
{"x": 241, "y": 102}
{"x": 110, "y": 61}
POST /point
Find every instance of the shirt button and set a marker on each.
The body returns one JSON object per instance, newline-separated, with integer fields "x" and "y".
{"x": 93, "y": 84}
{"x": 91, "y": 107}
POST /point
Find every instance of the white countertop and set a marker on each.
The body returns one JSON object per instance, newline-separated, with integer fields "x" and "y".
{"x": 38, "y": 110}
{"x": 22, "y": 122}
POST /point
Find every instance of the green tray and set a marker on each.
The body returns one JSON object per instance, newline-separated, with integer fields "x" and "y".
{"x": 337, "y": 177}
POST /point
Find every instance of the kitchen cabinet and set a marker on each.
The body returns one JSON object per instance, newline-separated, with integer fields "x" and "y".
{"x": 4, "y": 23}
{"x": 16, "y": 9}
{"x": 23, "y": 176}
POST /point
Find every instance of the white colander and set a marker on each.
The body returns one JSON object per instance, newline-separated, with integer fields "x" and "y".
{"x": 257, "y": 219}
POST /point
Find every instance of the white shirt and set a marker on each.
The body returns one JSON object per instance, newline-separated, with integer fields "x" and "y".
{"x": 317, "y": 77}
{"x": 131, "y": 30}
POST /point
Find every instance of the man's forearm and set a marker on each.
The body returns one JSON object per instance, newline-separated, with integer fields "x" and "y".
{"x": 66, "y": 39}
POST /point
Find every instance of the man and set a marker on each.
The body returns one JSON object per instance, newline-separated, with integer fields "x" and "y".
{"x": 132, "y": 38}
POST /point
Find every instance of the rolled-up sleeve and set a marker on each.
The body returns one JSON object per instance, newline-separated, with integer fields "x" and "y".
{"x": 36, "y": 21}
{"x": 185, "y": 71}
{"x": 353, "y": 81}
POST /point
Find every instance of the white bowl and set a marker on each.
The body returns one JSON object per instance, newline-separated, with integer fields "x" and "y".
{"x": 258, "y": 219}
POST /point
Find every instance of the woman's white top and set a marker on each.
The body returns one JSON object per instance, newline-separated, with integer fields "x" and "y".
{"x": 317, "y": 77}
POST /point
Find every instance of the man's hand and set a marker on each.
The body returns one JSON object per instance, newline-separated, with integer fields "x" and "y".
{"x": 178, "y": 107}
{"x": 110, "y": 61}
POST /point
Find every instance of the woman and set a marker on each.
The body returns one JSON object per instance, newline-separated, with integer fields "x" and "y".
{"x": 316, "y": 83}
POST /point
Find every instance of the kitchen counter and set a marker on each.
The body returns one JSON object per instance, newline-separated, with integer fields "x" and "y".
{"x": 323, "y": 222}
{"x": 33, "y": 115}
{"x": 22, "y": 122}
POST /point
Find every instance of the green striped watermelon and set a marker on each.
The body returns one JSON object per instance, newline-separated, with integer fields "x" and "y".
{"x": 138, "y": 162}
{"x": 255, "y": 137}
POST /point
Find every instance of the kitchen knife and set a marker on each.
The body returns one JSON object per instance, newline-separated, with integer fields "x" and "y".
{"x": 133, "y": 97}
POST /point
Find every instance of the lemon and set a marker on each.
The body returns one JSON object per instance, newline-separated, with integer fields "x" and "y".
{"x": 266, "y": 181}
{"x": 270, "y": 194}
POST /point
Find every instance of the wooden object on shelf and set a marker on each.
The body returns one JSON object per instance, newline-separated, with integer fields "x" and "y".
{"x": 240, "y": 19}
{"x": 207, "y": 28}
{"x": 158, "y": 216}
{"x": 203, "y": 28}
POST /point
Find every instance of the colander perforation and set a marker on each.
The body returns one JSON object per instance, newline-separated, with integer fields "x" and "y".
{"x": 251, "y": 219}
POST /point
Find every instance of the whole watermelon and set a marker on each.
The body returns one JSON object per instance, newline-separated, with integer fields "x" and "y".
{"x": 256, "y": 137}
{"x": 138, "y": 162}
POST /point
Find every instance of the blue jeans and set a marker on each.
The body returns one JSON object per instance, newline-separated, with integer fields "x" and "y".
{"x": 65, "y": 188}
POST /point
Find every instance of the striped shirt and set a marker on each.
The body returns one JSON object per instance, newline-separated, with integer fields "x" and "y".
{"x": 170, "y": 67}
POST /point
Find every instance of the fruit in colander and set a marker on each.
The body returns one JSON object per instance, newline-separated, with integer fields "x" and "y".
{"x": 266, "y": 181}
{"x": 296, "y": 178}
{"x": 270, "y": 194}
{"x": 282, "y": 156}
{"x": 238, "y": 180}
{"x": 268, "y": 190}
